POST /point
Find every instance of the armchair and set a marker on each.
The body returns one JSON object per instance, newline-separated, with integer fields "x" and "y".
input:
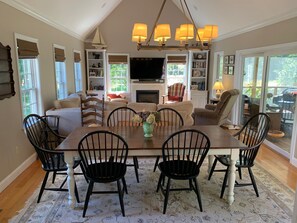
{"x": 175, "y": 93}
{"x": 216, "y": 114}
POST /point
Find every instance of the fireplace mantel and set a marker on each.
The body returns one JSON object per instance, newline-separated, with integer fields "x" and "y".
{"x": 147, "y": 86}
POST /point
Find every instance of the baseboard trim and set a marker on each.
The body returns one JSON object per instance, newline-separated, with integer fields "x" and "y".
{"x": 11, "y": 177}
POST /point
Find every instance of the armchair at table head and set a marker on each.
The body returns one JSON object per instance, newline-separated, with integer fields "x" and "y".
{"x": 175, "y": 92}
{"x": 216, "y": 114}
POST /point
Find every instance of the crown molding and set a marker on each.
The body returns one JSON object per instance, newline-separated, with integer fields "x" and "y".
{"x": 268, "y": 22}
{"x": 39, "y": 17}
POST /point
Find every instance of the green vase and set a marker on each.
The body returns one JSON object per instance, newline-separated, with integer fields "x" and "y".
{"x": 148, "y": 129}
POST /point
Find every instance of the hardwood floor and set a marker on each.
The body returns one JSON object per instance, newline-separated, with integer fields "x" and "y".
{"x": 13, "y": 198}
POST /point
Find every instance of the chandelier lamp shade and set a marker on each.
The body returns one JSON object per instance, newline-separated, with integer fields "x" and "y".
{"x": 184, "y": 34}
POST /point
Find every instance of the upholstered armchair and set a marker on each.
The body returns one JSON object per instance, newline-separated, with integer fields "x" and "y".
{"x": 175, "y": 93}
{"x": 216, "y": 114}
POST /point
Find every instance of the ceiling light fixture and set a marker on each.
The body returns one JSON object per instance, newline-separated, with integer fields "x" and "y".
{"x": 184, "y": 34}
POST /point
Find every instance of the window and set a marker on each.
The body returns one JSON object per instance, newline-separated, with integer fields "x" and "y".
{"x": 77, "y": 72}
{"x": 61, "y": 82}
{"x": 176, "y": 69}
{"x": 28, "y": 75}
{"x": 218, "y": 66}
{"x": 118, "y": 73}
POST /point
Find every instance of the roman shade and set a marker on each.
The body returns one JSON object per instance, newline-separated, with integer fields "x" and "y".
{"x": 26, "y": 49}
{"x": 177, "y": 59}
{"x": 117, "y": 59}
{"x": 59, "y": 55}
{"x": 77, "y": 58}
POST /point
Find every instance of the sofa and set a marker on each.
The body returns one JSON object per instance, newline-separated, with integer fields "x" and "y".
{"x": 70, "y": 115}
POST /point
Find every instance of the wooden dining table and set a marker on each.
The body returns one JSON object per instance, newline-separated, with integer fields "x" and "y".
{"x": 221, "y": 143}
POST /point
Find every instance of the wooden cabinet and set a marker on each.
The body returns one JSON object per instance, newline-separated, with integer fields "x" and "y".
{"x": 198, "y": 77}
{"x": 96, "y": 71}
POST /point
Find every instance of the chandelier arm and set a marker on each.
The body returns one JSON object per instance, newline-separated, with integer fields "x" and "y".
{"x": 195, "y": 28}
{"x": 156, "y": 21}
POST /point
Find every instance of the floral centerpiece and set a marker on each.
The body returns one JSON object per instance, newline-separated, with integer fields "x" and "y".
{"x": 147, "y": 119}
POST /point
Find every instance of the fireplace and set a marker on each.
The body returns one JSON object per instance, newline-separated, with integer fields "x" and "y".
{"x": 151, "y": 96}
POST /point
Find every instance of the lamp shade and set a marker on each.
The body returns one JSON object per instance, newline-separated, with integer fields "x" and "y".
{"x": 218, "y": 85}
{"x": 211, "y": 31}
{"x": 139, "y": 33}
{"x": 177, "y": 34}
{"x": 186, "y": 31}
{"x": 162, "y": 33}
{"x": 200, "y": 33}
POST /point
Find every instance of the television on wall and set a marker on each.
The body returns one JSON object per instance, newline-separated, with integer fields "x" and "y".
{"x": 143, "y": 68}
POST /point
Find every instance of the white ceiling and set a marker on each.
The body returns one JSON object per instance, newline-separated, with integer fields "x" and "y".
{"x": 80, "y": 17}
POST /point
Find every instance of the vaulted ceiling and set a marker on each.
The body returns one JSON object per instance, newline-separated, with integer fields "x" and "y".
{"x": 79, "y": 18}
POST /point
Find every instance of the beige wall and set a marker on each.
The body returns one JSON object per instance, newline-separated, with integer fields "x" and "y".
{"x": 14, "y": 147}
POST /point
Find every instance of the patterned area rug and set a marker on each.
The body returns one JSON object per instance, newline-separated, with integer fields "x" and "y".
{"x": 143, "y": 204}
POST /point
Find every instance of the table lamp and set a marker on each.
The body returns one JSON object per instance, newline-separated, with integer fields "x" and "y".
{"x": 218, "y": 86}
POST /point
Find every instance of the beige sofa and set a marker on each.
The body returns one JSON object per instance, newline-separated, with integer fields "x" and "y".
{"x": 70, "y": 117}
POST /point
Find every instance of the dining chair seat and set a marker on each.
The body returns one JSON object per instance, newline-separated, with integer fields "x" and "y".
{"x": 179, "y": 169}
{"x": 105, "y": 172}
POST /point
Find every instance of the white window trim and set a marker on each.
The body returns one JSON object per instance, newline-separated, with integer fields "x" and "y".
{"x": 215, "y": 70}
{"x": 40, "y": 106}
{"x": 62, "y": 48}
{"x": 108, "y": 72}
{"x": 82, "y": 85}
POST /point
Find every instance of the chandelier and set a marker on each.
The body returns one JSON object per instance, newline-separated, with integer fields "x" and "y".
{"x": 183, "y": 34}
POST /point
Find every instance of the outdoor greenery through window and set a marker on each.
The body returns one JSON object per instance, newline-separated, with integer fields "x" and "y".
{"x": 28, "y": 85}
{"x": 61, "y": 83}
{"x": 176, "y": 73}
{"x": 78, "y": 78}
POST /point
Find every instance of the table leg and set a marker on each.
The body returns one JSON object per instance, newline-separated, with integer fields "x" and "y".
{"x": 70, "y": 180}
{"x": 232, "y": 175}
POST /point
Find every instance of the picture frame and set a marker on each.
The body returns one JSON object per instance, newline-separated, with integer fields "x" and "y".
{"x": 226, "y": 60}
{"x": 232, "y": 59}
{"x": 226, "y": 70}
{"x": 231, "y": 70}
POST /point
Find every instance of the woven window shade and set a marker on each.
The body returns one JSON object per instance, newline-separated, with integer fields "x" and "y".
{"x": 77, "y": 58}
{"x": 117, "y": 59}
{"x": 59, "y": 55}
{"x": 26, "y": 49}
{"x": 177, "y": 59}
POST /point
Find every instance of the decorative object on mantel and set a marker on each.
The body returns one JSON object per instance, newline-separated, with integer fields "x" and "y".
{"x": 183, "y": 34}
{"x": 6, "y": 77}
{"x": 98, "y": 41}
{"x": 218, "y": 86}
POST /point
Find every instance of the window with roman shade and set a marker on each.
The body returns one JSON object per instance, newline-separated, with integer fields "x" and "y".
{"x": 60, "y": 68}
{"x": 176, "y": 69}
{"x": 28, "y": 68}
{"x": 77, "y": 72}
{"x": 118, "y": 73}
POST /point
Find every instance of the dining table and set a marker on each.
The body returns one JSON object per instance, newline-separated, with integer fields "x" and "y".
{"x": 221, "y": 143}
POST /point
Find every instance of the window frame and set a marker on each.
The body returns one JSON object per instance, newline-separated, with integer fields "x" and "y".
{"x": 65, "y": 89}
{"x": 185, "y": 78}
{"x": 80, "y": 81}
{"x": 218, "y": 57}
{"x": 109, "y": 79}
{"x": 35, "y": 80}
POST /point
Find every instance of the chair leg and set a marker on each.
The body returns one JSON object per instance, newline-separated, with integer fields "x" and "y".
{"x": 224, "y": 182}
{"x": 76, "y": 193}
{"x": 159, "y": 182}
{"x": 212, "y": 168}
{"x": 156, "y": 163}
{"x": 125, "y": 185}
{"x": 239, "y": 173}
{"x": 121, "y": 193}
{"x": 166, "y": 195}
{"x": 135, "y": 163}
{"x": 89, "y": 192}
{"x": 54, "y": 176}
{"x": 42, "y": 186}
{"x": 198, "y": 194}
{"x": 253, "y": 181}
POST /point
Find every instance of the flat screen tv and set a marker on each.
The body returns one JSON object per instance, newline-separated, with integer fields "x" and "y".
{"x": 143, "y": 68}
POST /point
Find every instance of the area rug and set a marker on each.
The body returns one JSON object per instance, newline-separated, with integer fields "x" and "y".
{"x": 144, "y": 205}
